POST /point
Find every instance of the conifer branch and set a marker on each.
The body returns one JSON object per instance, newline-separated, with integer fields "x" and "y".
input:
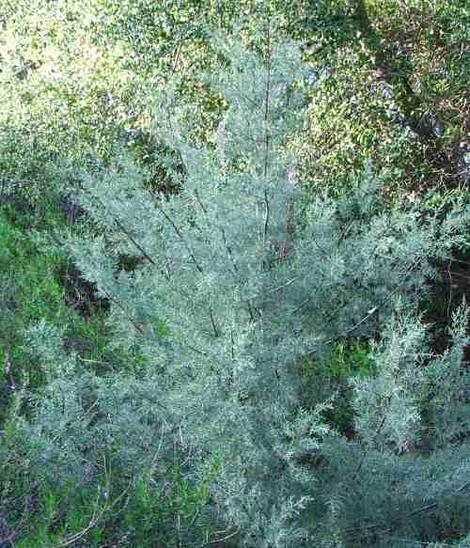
{"x": 122, "y": 308}
{"x": 134, "y": 241}
{"x": 214, "y": 325}
{"x": 194, "y": 260}
{"x": 223, "y": 539}
{"x": 229, "y": 251}
{"x": 267, "y": 99}
{"x": 266, "y": 217}
{"x": 266, "y": 130}
{"x": 199, "y": 201}
{"x": 421, "y": 510}
{"x": 123, "y": 229}
{"x": 181, "y": 237}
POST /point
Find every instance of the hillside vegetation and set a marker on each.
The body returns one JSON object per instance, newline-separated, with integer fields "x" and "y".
{"x": 234, "y": 270}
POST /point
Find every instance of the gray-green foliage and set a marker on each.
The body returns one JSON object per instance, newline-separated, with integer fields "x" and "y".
{"x": 406, "y": 474}
{"x": 240, "y": 278}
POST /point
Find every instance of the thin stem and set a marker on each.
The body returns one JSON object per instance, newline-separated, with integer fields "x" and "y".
{"x": 267, "y": 100}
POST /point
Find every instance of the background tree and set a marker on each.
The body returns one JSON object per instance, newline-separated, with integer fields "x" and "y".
{"x": 390, "y": 92}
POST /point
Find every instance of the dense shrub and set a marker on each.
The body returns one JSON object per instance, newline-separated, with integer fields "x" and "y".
{"x": 197, "y": 349}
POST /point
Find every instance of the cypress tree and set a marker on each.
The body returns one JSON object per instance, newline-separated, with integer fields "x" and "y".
{"x": 241, "y": 282}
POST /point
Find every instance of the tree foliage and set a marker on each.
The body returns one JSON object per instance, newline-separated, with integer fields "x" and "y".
{"x": 210, "y": 306}
{"x": 396, "y": 94}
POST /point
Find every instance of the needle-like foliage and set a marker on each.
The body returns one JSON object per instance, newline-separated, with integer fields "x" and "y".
{"x": 237, "y": 282}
